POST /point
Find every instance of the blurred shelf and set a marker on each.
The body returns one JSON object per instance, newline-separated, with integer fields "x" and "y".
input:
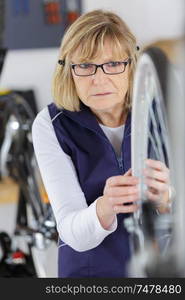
{"x": 9, "y": 191}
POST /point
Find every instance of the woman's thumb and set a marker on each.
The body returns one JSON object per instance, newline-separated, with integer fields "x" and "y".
{"x": 128, "y": 173}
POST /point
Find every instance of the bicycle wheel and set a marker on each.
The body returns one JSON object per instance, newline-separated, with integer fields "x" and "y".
{"x": 151, "y": 233}
{"x": 39, "y": 216}
{"x": 35, "y": 229}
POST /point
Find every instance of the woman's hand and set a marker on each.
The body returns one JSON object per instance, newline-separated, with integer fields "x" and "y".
{"x": 120, "y": 195}
{"x": 157, "y": 178}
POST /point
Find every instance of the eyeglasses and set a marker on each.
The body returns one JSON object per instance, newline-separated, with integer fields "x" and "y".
{"x": 112, "y": 68}
{"x": 88, "y": 69}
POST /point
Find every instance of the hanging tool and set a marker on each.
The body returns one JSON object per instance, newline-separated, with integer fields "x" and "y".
{"x": 52, "y": 12}
{"x": 72, "y": 11}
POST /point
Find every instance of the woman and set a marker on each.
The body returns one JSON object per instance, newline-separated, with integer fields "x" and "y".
{"x": 82, "y": 144}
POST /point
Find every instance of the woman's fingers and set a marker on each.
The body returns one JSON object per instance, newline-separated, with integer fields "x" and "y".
{"x": 125, "y": 199}
{"x": 128, "y": 173}
{"x": 126, "y": 208}
{"x": 156, "y": 164}
{"x": 159, "y": 186}
{"x": 157, "y": 179}
{"x": 157, "y": 170}
{"x": 158, "y": 175}
{"x": 118, "y": 191}
{"x": 122, "y": 180}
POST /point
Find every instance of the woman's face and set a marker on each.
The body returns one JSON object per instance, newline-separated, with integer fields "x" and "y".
{"x": 102, "y": 91}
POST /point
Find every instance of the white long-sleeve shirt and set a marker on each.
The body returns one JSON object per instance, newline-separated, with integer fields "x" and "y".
{"x": 77, "y": 223}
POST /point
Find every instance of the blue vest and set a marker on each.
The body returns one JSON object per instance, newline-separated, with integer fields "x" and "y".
{"x": 94, "y": 159}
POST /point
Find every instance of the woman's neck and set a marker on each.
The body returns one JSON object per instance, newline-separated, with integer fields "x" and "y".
{"x": 112, "y": 118}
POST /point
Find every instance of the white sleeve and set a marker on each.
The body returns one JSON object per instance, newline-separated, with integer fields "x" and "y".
{"x": 77, "y": 223}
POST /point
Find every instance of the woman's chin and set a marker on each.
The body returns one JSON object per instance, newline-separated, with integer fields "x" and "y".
{"x": 101, "y": 104}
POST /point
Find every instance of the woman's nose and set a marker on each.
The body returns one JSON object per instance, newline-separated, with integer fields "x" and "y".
{"x": 99, "y": 76}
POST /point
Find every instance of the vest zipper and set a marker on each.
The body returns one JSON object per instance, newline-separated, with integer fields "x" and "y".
{"x": 119, "y": 163}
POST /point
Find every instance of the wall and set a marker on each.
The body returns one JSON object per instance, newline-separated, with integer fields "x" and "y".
{"x": 149, "y": 20}
{"x": 30, "y": 69}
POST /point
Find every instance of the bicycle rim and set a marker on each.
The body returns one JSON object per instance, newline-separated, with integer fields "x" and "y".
{"x": 150, "y": 139}
{"x": 149, "y": 123}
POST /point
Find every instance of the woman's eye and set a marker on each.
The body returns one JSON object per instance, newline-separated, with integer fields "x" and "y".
{"x": 85, "y": 66}
{"x": 114, "y": 64}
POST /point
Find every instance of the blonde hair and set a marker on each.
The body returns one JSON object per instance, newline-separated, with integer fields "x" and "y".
{"x": 88, "y": 33}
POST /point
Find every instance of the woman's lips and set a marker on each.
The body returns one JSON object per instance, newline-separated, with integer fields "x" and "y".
{"x": 103, "y": 94}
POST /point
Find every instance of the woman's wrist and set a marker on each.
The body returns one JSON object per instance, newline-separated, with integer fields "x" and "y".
{"x": 105, "y": 216}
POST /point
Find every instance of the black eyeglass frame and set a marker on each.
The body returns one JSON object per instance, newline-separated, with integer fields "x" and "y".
{"x": 125, "y": 62}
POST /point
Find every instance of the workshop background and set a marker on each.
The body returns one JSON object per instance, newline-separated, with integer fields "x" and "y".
{"x": 30, "y": 35}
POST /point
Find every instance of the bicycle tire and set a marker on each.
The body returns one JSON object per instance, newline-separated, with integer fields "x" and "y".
{"x": 149, "y": 139}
